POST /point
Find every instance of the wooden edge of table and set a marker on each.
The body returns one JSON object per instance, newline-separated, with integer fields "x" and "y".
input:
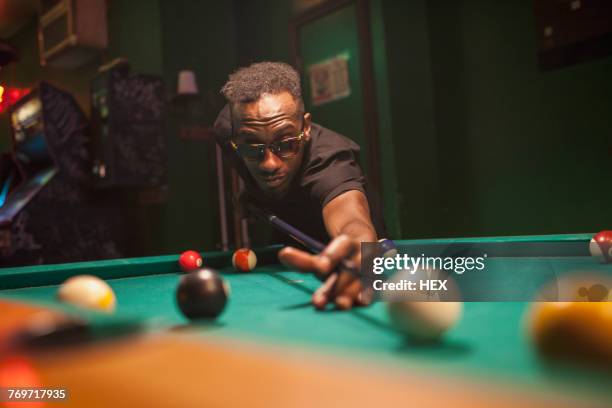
{"x": 17, "y": 316}
{"x": 181, "y": 370}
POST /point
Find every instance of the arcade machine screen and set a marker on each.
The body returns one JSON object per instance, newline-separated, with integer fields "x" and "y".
{"x": 30, "y": 146}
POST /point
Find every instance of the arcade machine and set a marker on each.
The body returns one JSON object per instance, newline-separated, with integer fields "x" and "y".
{"x": 47, "y": 213}
{"x": 127, "y": 124}
{"x": 129, "y": 149}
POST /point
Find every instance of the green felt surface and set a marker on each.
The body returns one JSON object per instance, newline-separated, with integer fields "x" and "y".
{"x": 272, "y": 305}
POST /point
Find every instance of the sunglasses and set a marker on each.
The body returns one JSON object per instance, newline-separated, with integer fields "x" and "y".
{"x": 285, "y": 148}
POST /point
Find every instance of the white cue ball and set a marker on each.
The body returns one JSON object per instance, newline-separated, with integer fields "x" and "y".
{"x": 424, "y": 321}
{"x": 88, "y": 292}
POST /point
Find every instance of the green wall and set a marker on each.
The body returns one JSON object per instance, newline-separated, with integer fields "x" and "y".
{"x": 262, "y": 30}
{"x": 489, "y": 144}
{"x": 198, "y": 36}
{"x": 522, "y": 151}
{"x": 388, "y": 144}
{"x": 475, "y": 139}
{"x": 135, "y": 32}
{"x": 412, "y": 117}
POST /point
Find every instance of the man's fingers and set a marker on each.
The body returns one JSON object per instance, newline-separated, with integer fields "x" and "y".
{"x": 347, "y": 292}
{"x": 343, "y": 288}
{"x": 319, "y": 300}
{"x": 345, "y": 280}
{"x": 297, "y": 259}
{"x": 343, "y": 295}
{"x": 365, "y": 297}
{"x": 322, "y": 294}
{"x": 340, "y": 248}
{"x": 344, "y": 302}
{"x": 322, "y": 264}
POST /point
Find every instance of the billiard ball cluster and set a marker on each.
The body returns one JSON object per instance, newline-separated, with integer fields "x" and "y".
{"x": 580, "y": 329}
{"x": 202, "y": 293}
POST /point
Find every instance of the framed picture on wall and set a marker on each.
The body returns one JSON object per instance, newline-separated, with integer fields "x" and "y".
{"x": 329, "y": 80}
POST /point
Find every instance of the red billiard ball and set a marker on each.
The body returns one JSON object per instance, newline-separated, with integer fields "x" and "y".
{"x": 190, "y": 261}
{"x": 244, "y": 259}
{"x": 17, "y": 370}
{"x": 600, "y": 246}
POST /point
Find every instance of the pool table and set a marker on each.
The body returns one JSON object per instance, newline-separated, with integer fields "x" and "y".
{"x": 271, "y": 347}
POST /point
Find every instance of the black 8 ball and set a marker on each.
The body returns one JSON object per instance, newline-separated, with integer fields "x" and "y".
{"x": 202, "y": 294}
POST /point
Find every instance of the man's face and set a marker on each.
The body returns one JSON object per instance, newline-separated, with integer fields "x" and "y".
{"x": 272, "y": 118}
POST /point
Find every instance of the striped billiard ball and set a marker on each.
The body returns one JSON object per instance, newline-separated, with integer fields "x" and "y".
{"x": 600, "y": 246}
{"x": 244, "y": 260}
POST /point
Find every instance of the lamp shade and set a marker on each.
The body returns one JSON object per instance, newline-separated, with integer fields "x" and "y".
{"x": 187, "y": 84}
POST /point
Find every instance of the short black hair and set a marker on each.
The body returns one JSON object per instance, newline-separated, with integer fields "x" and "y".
{"x": 247, "y": 84}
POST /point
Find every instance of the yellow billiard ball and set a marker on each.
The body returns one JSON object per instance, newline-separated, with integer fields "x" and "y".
{"x": 89, "y": 292}
{"x": 578, "y": 331}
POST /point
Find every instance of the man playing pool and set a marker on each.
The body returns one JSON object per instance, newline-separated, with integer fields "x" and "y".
{"x": 302, "y": 172}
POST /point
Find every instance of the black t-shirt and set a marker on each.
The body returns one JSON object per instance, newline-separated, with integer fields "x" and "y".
{"x": 329, "y": 168}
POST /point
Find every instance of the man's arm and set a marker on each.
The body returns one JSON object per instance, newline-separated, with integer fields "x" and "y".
{"x": 347, "y": 219}
{"x": 349, "y": 214}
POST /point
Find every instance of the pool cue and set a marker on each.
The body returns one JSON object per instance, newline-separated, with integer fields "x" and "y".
{"x": 312, "y": 244}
